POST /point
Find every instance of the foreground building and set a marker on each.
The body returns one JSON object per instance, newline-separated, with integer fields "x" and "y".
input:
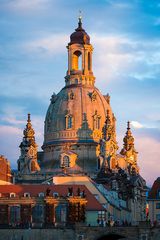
{"x": 154, "y": 203}
{"x": 80, "y": 141}
{"x": 47, "y": 205}
{"x": 5, "y": 171}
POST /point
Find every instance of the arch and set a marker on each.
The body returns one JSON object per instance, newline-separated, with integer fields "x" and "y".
{"x": 69, "y": 121}
{"x": 77, "y": 60}
{"x": 111, "y": 236}
{"x": 96, "y": 121}
{"x": 66, "y": 161}
{"x": 89, "y": 61}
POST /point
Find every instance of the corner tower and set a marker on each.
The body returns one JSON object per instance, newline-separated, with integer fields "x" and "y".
{"x": 129, "y": 152}
{"x": 27, "y": 162}
{"x": 76, "y": 115}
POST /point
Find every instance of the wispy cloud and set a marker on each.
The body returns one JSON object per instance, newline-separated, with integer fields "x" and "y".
{"x": 121, "y": 5}
{"x": 50, "y": 45}
{"x": 148, "y": 157}
{"x": 27, "y": 5}
{"x": 12, "y": 120}
{"x": 9, "y": 143}
{"x": 136, "y": 124}
{"x": 126, "y": 57}
{"x": 11, "y": 137}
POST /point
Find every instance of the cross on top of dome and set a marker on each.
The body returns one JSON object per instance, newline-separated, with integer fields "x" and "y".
{"x": 79, "y": 36}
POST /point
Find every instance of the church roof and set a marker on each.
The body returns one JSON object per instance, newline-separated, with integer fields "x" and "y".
{"x": 62, "y": 190}
{"x": 154, "y": 193}
{"x": 79, "y": 36}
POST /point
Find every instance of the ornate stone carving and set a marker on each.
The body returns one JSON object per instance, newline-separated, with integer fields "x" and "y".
{"x": 129, "y": 152}
{"x": 93, "y": 96}
{"x": 27, "y": 161}
{"x": 71, "y": 95}
{"x": 107, "y": 97}
{"x": 108, "y": 144}
{"x": 53, "y": 98}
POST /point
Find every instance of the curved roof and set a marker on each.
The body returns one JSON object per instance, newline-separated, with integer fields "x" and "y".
{"x": 85, "y": 105}
{"x": 79, "y": 36}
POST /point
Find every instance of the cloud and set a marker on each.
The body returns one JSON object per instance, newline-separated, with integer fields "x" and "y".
{"x": 52, "y": 44}
{"x": 9, "y": 142}
{"x": 11, "y": 137}
{"x": 27, "y": 5}
{"x": 121, "y": 56}
{"x": 148, "y": 157}
{"x": 136, "y": 124}
{"x": 120, "y": 5}
{"x": 12, "y": 120}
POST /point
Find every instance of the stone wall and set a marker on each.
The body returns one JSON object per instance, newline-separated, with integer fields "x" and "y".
{"x": 80, "y": 233}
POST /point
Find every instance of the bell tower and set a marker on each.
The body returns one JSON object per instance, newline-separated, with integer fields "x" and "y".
{"x": 27, "y": 162}
{"x": 79, "y": 58}
{"x": 129, "y": 151}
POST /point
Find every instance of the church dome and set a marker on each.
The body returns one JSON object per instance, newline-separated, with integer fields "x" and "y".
{"x": 70, "y": 108}
{"x": 76, "y": 115}
{"x": 79, "y": 36}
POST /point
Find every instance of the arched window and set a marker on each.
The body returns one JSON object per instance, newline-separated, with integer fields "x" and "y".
{"x": 96, "y": 121}
{"x": 69, "y": 122}
{"x": 77, "y": 60}
{"x": 12, "y": 195}
{"x": 66, "y": 162}
{"x": 38, "y": 213}
{"x": 89, "y": 61}
{"x": 26, "y": 194}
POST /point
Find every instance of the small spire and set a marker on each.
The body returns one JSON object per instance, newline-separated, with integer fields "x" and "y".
{"x": 107, "y": 118}
{"x": 29, "y": 119}
{"x": 84, "y": 117}
{"x": 128, "y": 125}
{"x": 80, "y": 20}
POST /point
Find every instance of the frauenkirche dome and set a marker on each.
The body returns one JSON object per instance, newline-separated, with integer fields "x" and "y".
{"x": 76, "y": 115}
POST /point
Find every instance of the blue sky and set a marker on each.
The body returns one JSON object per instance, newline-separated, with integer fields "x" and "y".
{"x": 125, "y": 35}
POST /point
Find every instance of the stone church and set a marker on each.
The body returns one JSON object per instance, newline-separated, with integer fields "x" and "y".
{"x": 80, "y": 126}
{"x": 80, "y": 146}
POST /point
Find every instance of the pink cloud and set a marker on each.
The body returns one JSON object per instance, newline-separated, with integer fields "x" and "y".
{"x": 9, "y": 142}
{"x": 148, "y": 157}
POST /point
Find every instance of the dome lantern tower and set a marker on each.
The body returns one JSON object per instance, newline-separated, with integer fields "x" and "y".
{"x": 79, "y": 58}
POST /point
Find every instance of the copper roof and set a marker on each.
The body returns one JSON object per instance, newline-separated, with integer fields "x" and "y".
{"x": 79, "y": 36}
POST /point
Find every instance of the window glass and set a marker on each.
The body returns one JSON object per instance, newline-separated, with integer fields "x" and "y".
{"x": 14, "y": 214}
{"x": 61, "y": 213}
{"x": 66, "y": 161}
{"x": 157, "y": 205}
{"x": 38, "y": 213}
{"x": 158, "y": 217}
